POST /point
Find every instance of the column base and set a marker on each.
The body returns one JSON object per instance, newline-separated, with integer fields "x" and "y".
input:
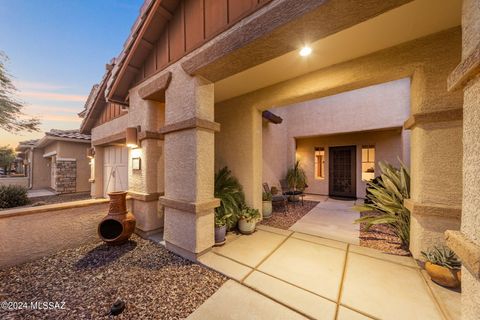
{"x": 148, "y": 214}
{"x": 428, "y": 224}
{"x": 192, "y": 256}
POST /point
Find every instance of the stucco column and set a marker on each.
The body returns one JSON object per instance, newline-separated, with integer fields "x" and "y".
{"x": 146, "y": 184}
{"x": 189, "y": 165}
{"x": 96, "y": 165}
{"x": 466, "y": 243}
{"x": 436, "y": 154}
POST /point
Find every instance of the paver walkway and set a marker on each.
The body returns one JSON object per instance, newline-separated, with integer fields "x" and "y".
{"x": 281, "y": 274}
{"x": 332, "y": 219}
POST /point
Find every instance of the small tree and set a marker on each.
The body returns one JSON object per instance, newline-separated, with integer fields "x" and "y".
{"x": 10, "y": 108}
{"x": 7, "y": 156}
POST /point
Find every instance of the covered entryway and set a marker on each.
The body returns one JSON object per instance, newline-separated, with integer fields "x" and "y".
{"x": 342, "y": 182}
{"x": 115, "y": 169}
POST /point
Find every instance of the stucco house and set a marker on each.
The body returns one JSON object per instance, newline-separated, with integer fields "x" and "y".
{"x": 57, "y": 161}
{"x": 186, "y": 96}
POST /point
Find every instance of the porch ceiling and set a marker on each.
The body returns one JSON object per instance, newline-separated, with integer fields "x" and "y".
{"x": 410, "y": 21}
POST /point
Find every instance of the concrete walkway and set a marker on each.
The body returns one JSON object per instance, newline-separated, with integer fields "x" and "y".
{"x": 332, "y": 219}
{"x": 281, "y": 274}
{"x": 40, "y": 193}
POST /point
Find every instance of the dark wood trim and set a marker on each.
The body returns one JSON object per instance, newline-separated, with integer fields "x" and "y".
{"x": 273, "y": 118}
{"x": 155, "y": 90}
{"x": 436, "y": 116}
{"x": 465, "y": 71}
{"x": 192, "y": 123}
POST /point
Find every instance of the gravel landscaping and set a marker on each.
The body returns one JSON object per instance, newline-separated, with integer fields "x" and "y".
{"x": 295, "y": 213}
{"x": 154, "y": 283}
{"x": 381, "y": 237}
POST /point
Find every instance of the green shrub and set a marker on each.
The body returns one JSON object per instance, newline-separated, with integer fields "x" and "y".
{"x": 13, "y": 196}
{"x": 230, "y": 193}
{"x": 386, "y": 196}
{"x": 296, "y": 177}
{"x": 249, "y": 214}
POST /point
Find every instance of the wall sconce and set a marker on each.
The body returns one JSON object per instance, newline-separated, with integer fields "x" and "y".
{"x": 90, "y": 153}
{"x": 131, "y": 137}
{"x": 136, "y": 159}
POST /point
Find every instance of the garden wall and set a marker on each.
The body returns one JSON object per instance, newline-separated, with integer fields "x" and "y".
{"x": 15, "y": 181}
{"x": 28, "y": 234}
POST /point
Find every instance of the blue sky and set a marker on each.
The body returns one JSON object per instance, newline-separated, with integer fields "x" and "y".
{"x": 57, "y": 50}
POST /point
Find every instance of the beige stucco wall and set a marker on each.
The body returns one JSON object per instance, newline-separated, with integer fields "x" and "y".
{"x": 41, "y": 168}
{"x": 14, "y": 181}
{"x": 388, "y": 146}
{"x": 471, "y": 158}
{"x": 30, "y": 233}
{"x": 381, "y": 106}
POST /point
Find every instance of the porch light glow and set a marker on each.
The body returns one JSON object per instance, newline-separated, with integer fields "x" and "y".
{"x": 305, "y": 51}
{"x": 131, "y": 137}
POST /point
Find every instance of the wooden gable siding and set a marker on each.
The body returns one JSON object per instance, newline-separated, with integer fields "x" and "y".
{"x": 110, "y": 112}
{"x": 194, "y": 22}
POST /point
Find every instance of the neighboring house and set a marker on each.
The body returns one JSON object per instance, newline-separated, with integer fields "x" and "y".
{"x": 186, "y": 94}
{"x": 57, "y": 161}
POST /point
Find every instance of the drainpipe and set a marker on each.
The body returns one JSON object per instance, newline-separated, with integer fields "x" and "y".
{"x": 30, "y": 173}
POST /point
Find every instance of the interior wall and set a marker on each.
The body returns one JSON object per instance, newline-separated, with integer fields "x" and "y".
{"x": 388, "y": 147}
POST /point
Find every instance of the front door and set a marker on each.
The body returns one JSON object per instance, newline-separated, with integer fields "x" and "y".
{"x": 342, "y": 177}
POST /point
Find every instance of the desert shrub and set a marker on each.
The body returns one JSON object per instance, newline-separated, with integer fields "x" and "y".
{"x": 13, "y": 196}
{"x": 386, "y": 196}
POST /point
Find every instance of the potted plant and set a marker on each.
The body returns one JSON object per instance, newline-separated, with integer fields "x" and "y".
{"x": 221, "y": 227}
{"x": 443, "y": 266}
{"x": 248, "y": 219}
{"x": 230, "y": 193}
{"x": 297, "y": 181}
{"x": 267, "y": 205}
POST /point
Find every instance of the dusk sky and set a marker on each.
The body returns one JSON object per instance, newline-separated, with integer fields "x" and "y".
{"x": 57, "y": 50}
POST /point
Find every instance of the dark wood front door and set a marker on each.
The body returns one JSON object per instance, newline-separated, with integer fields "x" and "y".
{"x": 341, "y": 176}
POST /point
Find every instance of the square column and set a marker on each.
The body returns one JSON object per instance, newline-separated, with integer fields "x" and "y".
{"x": 189, "y": 165}
{"x": 145, "y": 185}
{"x": 466, "y": 242}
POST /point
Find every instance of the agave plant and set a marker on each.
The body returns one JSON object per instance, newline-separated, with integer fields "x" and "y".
{"x": 386, "y": 196}
{"x": 296, "y": 177}
{"x": 443, "y": 256}
{"x": 230, "y": 193}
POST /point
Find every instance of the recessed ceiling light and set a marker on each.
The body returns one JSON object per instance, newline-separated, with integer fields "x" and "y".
{"x": 305, "y": 51}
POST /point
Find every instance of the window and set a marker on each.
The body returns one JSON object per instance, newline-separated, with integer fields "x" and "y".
{"x": 368, "y": 163}
{"x": 319, "y": 163}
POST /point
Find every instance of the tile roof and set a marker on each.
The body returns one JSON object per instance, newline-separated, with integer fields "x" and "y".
{"x": 69, "y": 134}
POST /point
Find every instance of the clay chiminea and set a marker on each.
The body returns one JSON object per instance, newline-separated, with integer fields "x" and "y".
{"x": 119, "y": 224}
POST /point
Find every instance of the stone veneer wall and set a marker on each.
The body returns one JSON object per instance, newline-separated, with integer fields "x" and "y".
{"x": 65, "y": 176}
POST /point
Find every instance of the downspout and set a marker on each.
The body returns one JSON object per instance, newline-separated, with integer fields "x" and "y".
{"x": 30, "y": 178}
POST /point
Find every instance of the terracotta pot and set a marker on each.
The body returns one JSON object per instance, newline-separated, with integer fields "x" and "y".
{"x": 119, "y": 224}
{"x": 246, "y": 227}
{"x": 220, "y": 233}
{"x": 266, "y": 209}
{"x": 443, "y": 276}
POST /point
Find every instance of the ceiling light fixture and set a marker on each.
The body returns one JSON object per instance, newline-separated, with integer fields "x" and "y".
{"x": 305, "y": 51}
